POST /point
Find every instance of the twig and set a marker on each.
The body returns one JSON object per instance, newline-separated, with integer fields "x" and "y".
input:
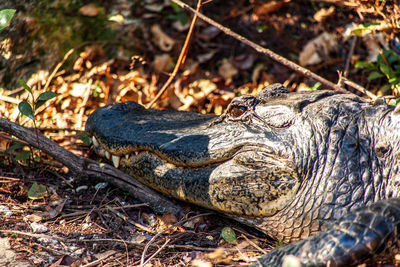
{"x": 166, "y": 230}
{"x": 359, "y": 88}
{"x": 155, "y": 253}
{"x": 349, "y": 56}
{"x": 14, "y": 232}
{"x": 254, "y": 245}
{"x": 8, "y": 99}
{"x": 102, "y": 258}
{"x": 87, "y": 167}
{"x": 180, "y": 60}
{"x": 265, "y": 51}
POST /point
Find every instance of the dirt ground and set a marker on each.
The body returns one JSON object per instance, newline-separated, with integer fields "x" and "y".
{"x": 93, "y": 53}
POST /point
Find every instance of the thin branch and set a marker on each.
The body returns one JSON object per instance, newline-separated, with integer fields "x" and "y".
{"x": 166, "y": 230}
{"x": 358, "y": 88}
{"x": 155, "y": 253}
{"x": 180, "y": 60}
{"x": 349, "y": 56}
{"x": 265, "y": 51}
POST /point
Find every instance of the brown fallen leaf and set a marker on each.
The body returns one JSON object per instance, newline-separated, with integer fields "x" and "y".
{"x": 261, "y": 10}
{"x": 89, "y": 11}
{"x": 163, "y": 41}
{"x": 227, "y": 70}
{"x": 324, "y": 13}
{"x": 318, "y": 49}
{"x": 163, "y": 63}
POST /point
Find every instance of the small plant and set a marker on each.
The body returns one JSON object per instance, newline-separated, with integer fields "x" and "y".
{"x": 387, "y": 66}
{"x": 29, "y": 109}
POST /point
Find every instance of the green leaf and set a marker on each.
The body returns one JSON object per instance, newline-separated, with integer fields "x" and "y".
{"x": 229, "y": 235}
{"x": 43, "y": 97}
{"x": 27, "y": 88}
{"x": 374, "y": 75}
{"x": 394, "y": 80}
{"x": 46, "y": 96}
{"x": 85, "y": 139}
{"x": 392, "y": 58}
{"x": 14, "y": 146}
{"x": 363, "y": 64}
{"x": 37, "y": 191}
{"x": 386, "y": 70}
{"x": 23, "y": 156}
{"x": 181, "y": 17}
{"x": 316, "y": 86}
{"x": 5, "y": 17}
{"x": 176, "y": 7}
{"x": 26, "y": 109}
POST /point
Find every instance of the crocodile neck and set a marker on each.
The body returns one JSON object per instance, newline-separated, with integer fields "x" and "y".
{"x": 353, "y": 174}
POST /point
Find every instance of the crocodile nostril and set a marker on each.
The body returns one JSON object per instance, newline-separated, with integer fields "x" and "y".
{"x": 237, "y": 111}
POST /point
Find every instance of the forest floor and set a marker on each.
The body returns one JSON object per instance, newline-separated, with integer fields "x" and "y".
{"x": 91, "y": 55}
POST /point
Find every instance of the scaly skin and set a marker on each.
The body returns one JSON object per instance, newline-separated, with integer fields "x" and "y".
{"x": 290, "y": 164}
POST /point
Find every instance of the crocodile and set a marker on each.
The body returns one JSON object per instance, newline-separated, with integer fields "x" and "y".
{"x": 318, "y": 170}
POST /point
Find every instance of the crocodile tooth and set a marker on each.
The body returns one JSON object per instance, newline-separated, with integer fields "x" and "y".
{"x": 127, "y": 156}
{"x": 136, "y": 153}
{"x": 107, "y": 154}
{"x": 115, "y": 160}
{"x": 94, "y": 141}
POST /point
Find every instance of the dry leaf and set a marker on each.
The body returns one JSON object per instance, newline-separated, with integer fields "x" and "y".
{"x": 89, "y": 11}
{"x": 216, "y": 254}
{"x": 373, "y": 43}
{"x": 179, "y": 27}
{"x": 318, "y": 49}
{"x": 201, "y": 263}
{"x": 372, "y": 38}
{"x": 163, "y": 63}
{"x": 202, "y": 58}
{"x": 324, "y": 14}
{"x": 261, "y": 10}
{"x": 34, "y": 218}
{"x": 163, "y": 41}
{"x": 257, "y": 73}
{"x": 198, "y": 90}
{"x": 227, "y": 70}
{"x": 244, "y": 61}
{"x": 209, "y": 33}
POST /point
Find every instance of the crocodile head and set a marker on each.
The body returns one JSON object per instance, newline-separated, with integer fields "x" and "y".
{"x": 279, "y": 156}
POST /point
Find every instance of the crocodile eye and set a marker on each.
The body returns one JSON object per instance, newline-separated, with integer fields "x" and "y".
{"x": 237, "y": 111}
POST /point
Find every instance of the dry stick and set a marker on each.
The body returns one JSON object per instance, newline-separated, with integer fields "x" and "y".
{"x": 349, "y": 56}
{"x": 87, "y": 167}
{"x": 166, "y": 230}
{"x": 359, "y": 88}
{"x": 180, "y": 60}
{"x": 265, "y": 51}
{"x": 155, "y": 253}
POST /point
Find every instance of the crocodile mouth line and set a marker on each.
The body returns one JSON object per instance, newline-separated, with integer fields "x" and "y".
{"x": 116, "y": 159}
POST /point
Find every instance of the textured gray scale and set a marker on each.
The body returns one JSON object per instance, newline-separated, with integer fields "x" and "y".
{"x": 318, "y": 166}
